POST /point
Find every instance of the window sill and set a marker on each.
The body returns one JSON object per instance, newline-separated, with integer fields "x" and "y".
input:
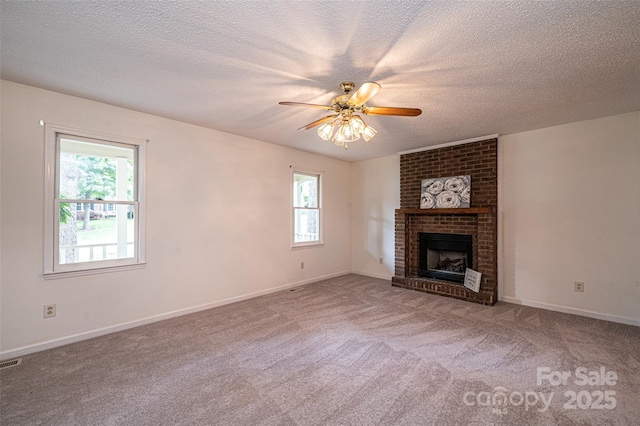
{"x": 306, "y": 245}
{"x": 93, "y": 271}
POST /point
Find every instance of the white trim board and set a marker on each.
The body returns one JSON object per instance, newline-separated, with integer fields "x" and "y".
{"x": 49, "y": 344}
{"x": 446, "y": 144}
{"x": 567, "y": 310}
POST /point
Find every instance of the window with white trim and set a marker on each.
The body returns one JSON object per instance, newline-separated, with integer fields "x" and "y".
{"x": 307, "y": 213}
{"x": 94, "y": 211}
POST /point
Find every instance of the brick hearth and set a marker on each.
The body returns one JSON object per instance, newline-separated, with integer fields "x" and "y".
{"x": 478, "y": 159}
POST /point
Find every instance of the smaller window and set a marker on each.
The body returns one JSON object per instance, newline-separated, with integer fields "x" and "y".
{"x": 307, "y": 214}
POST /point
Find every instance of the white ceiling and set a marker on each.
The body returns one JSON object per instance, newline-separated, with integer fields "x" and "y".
{"x": 474, "y": 68}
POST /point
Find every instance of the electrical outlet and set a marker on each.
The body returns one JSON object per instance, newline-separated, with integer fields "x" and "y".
{"x": 380, "y": 260}
{"x": 301, "y": 265}
{"x": 578, "y": 286}
{"x": 49, "y": 311}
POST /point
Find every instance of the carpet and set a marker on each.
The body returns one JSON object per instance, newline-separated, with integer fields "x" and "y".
{"x": 350, "y": 350}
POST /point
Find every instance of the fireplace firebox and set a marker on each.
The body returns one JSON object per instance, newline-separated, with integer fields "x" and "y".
{"x": 445, "y": 256}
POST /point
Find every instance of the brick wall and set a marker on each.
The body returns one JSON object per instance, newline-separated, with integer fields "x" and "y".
{"x": 478, "y": 159}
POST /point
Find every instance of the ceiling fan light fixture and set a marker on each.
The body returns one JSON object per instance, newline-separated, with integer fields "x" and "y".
{"x": 361, "y": 128}
{"x": 326, "y": 131}
{"x": 368, "y": 133}
{"x": 346, "y": 133}
{"x": 357, "y": 124}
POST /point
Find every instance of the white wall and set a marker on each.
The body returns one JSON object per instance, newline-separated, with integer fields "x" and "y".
{"x": 571, "y": 212}
{"x": 218, "y": 223}
{"x": 376, "y": 195}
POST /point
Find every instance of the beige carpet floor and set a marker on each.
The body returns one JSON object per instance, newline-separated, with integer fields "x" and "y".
{"x": 346, "y": 351}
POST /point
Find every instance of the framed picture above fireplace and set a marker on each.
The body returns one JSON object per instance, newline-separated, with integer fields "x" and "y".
{"x": 446, "y": 193}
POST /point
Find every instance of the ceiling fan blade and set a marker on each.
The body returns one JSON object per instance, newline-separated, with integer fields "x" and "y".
{"x": 318, "y": 122}
{"x": 327, "y": 107}
{"x": 403, "y": 112}
{"x": 364, "y": 93}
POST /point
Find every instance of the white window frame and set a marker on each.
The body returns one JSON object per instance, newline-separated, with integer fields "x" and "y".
{"x": 52, "y": 268}
{"x": 319, "y": 175}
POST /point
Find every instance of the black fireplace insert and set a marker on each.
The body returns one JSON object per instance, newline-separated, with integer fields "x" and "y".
{"x": 445, "y": 256}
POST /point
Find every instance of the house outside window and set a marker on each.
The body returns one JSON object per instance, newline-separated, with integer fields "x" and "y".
{"x": 94, "y": 208}
{"x": 307, "y": 213}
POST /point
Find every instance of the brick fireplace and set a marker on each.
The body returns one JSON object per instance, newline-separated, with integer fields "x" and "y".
{"x": 478, "y": 159}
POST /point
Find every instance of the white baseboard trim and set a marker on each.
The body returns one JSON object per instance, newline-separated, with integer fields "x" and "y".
{"x": 54, "y": 343}
{"x": 369, "y": 274}
{"x": 568, "y": 310}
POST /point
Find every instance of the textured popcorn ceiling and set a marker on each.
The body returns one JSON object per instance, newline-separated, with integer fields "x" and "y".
{"x": 474, "y": 68}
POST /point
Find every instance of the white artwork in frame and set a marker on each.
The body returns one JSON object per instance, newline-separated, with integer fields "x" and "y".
{"x": 446, "y": 193}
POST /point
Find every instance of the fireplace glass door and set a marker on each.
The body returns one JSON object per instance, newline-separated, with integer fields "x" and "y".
{"x": 445, "y": 256}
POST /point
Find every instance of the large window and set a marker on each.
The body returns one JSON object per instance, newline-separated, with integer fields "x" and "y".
{"x": 307, "y": 217}
{"x": 94, "y": 210}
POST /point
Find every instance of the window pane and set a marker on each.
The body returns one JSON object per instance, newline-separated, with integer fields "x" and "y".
{"x": 100, "y": 235}
{"x": 307, "y": 225}
{"x": 92, "y": 171}
{"x": 305, "y": 190}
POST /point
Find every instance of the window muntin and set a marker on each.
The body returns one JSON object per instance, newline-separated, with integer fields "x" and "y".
{"x": 307, "y": 218}
{"x": 93, "y": 207}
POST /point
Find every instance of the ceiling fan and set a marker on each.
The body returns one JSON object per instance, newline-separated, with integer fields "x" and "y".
{"x": 348, "y": 125}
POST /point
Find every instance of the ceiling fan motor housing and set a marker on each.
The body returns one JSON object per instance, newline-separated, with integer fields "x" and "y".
{"x": 340, "y": 103}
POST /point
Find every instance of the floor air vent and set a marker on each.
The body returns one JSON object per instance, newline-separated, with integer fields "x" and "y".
{"x": 10, "y": 363}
